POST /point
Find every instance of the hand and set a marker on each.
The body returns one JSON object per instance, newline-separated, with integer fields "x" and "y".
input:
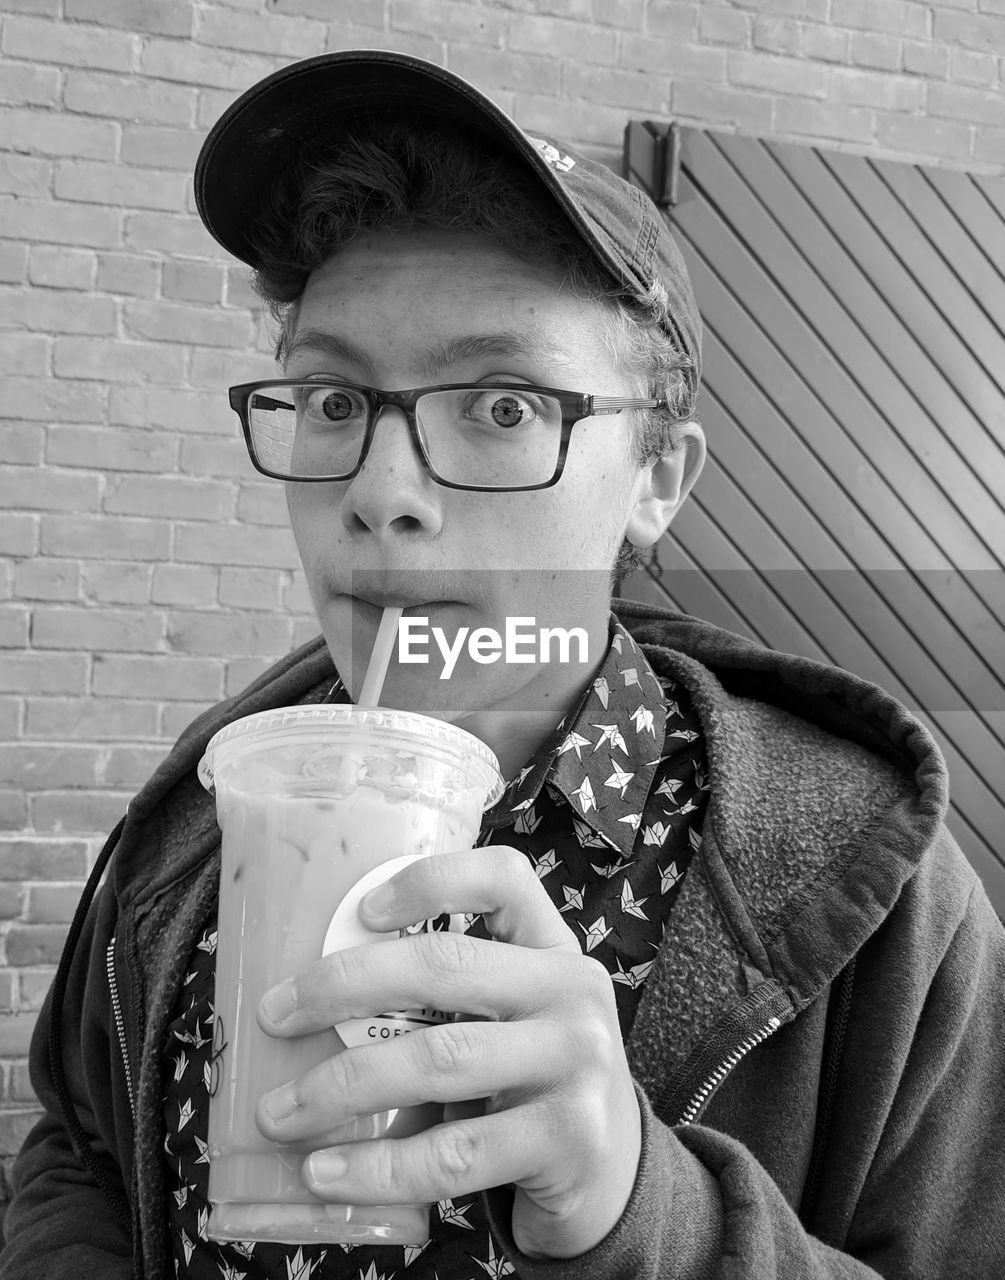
{"x": 560, "y": 1120}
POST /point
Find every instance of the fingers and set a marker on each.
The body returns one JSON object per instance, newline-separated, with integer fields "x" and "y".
{"x": 444, "y": 1162}
{"x": 536, "y": 1090}
{"x": 573, "y": 1173}
{"x": 447, "y": 971}
{"x": 496, "y": 881}
{"x": 453, "y": 1062}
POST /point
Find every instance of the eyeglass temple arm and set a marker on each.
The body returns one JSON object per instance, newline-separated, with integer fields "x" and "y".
{"x": 615, "y": 404}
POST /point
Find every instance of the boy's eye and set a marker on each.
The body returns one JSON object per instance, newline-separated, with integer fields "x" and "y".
{"x": 330, "y": 404}
{"x": 507, "y": 411}
{"x": 335, "y": 405}
{"x": 501, "y": 408}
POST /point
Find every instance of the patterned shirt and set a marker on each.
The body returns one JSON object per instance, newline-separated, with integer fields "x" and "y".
{"x": 609, "y": 812}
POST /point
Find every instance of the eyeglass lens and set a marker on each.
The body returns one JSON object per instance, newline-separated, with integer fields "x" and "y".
{"x": 487, "y": 436}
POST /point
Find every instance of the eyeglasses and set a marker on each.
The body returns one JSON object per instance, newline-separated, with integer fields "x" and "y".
{"x": 504, "y": 437}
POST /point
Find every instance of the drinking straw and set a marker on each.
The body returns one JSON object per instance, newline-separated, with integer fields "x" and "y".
{"x": 380, "y": 657}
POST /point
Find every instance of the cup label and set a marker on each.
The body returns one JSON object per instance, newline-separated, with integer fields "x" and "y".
{"x": 347, "y": 930}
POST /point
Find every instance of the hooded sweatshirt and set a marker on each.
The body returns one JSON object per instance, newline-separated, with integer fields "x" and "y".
{"x": 818, "y": 1052}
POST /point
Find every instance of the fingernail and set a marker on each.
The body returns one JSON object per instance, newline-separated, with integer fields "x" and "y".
{"x": 325, "y": 1167}
{"x": 379, "y": 901}
{"x": 279, "y": 1002}
{"x": 280, "y": 1103}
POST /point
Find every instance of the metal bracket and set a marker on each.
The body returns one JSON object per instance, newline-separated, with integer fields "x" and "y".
{"x": 651, "y": 158}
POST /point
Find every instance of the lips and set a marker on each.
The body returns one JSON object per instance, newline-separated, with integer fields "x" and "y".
{"x": 368, "y": 609}
{"x": 391, "y": 599}
{"x": 411, "y": 610}
{"x": 408, "y": 590}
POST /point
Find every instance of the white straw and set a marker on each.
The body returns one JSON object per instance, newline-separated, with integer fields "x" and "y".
{"x": 376, "y": 668}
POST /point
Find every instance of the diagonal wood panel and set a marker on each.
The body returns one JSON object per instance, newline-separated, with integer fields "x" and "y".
{"x": 854, "y": 401}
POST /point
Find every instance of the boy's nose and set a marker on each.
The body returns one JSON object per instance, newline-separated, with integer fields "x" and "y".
{"x": 393, "y": 489}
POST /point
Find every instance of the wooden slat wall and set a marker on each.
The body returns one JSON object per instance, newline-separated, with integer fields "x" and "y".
{"x": 853, "y": 508}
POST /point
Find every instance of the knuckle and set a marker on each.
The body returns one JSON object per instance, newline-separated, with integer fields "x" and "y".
{"x": 591, "y": 1046}
{"x": 421, "y": 885}
{"x": 596, "y": 981}
{"x": 455, "y": 1150}
{"x": 341, "y": 970}
{"x": 437, "y": 873}
{"x": 340, "y": 1073}
{"x": 517, "y": 868}
{"x": 383, "y": 1174}
{"x": 583, "y": 1057}
{"x": 450, "y": 1049}
{"x": 450, "y": 954}
{"x": 607, "y": 1051}
{"x": 512, "y": 862}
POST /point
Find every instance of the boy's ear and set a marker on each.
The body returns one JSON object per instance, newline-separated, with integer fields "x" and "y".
{"x": 667, "y": 483}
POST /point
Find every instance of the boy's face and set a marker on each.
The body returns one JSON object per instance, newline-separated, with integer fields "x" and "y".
{"x": 392, "y": 534}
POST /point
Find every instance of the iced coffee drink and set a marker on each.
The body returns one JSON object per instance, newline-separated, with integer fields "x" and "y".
{"x": 311, "y": 800}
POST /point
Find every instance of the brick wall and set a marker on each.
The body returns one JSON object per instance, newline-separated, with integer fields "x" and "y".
{"x": 144, "y": 571}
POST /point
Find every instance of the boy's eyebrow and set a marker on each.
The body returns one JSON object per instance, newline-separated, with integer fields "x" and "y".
{"x": 316, "y": 340}
{"x": 531, "y": 344}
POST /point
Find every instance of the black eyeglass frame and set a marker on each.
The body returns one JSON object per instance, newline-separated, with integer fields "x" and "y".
{"x": 575, "y": 407}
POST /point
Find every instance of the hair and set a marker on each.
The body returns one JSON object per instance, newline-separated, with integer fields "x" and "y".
{"x": 406, "y": 175}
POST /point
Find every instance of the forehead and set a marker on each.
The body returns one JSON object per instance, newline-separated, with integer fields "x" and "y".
{"x": 448, "y": 297}
{"x": 436, "y": 355}
{"x": 432, "y": 262}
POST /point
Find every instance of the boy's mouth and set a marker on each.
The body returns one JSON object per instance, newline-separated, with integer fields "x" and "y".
{"x": 412, "y": 591}
{"x": 408, "y": 605}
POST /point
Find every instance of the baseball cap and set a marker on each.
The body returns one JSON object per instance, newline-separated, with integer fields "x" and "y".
{"x": 251, "y": 146}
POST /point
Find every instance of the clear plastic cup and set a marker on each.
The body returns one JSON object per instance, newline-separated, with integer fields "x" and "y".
{"x": 312, "y": 801}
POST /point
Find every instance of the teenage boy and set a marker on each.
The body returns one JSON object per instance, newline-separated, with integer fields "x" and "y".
{"x": 733, "y": 993}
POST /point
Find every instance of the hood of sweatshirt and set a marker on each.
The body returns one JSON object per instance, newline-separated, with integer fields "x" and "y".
{"x": 825, "y": 793}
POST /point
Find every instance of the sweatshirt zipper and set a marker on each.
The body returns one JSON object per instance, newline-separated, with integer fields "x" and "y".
{"x": 716, "y": 1077}
{"x": 120, "y": 1025}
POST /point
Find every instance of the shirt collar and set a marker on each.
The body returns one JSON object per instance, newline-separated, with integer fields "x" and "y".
{"x": 603, "y": 756}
